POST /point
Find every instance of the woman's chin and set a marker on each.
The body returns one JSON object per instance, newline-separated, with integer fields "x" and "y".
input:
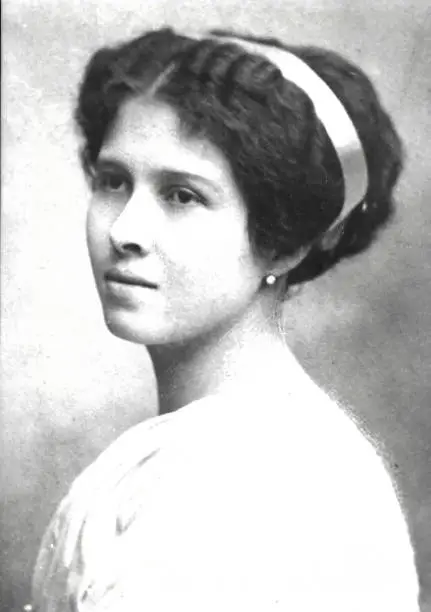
{"x": 122, "y": 328}
{"x": 133, "y": 327}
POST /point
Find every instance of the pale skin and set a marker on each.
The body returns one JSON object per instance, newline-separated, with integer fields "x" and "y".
{"x": 166, "y": 209}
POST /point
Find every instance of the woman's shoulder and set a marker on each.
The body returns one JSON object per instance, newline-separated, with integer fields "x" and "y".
{"x": 331, "y": 442}
{"x": 296, "y": 480}
{"x": 302, "y": 461}
{"x": 359, "y": 503}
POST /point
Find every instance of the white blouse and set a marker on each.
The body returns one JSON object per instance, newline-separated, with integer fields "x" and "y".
{"x": 236, "y": 502}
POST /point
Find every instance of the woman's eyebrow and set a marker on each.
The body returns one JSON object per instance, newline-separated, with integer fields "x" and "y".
{"x": 171, "y": 174}
{"x": 164, "y": 173}
{"x": 108, "y": 162}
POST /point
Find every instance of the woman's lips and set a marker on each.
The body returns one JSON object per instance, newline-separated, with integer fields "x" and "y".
{"x": 126, "y": 278}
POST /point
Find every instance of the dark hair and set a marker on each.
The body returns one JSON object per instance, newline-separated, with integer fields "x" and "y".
{"x": 279, "y": 152}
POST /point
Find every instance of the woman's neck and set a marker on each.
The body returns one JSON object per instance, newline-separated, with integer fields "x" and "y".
{"x": 253, "y": 352}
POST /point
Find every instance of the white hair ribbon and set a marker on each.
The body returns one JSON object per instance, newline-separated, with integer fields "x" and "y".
{"x": 329, "y": 110}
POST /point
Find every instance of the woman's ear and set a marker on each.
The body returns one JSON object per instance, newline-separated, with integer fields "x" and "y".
{"x": 281, "y": 265}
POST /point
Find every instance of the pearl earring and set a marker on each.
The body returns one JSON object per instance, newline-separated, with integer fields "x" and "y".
{"x": 270, "y": 279}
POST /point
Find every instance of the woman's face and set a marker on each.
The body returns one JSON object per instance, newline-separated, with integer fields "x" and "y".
{"x": 167, "y": 232}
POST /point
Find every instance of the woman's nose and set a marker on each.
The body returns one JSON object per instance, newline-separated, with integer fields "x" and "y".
{"x": 132, "y": 232}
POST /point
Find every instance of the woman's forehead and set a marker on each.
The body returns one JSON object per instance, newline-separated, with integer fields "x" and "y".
{"x": 147, "y": 133}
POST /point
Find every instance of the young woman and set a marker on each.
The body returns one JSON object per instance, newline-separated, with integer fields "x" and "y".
{"x": 225, "y": 169}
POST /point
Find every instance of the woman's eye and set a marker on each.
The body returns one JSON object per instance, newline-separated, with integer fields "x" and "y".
{"x": 110, "y": 182}
{"x": 183, "y": 196}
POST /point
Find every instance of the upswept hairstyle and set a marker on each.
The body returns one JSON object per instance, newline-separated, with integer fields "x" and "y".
{"x": 279, "y": 152}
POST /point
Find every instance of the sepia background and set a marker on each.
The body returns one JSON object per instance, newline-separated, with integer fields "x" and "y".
{"x": 68, "y": 387}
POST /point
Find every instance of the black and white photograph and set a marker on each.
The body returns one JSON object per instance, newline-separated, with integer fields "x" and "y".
{"x": 215, "y": 306}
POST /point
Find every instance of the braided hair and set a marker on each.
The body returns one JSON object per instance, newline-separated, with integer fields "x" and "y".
{"x": 280, "y": 155}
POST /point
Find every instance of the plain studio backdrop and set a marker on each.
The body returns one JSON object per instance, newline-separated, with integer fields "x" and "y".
{"x": 68, "y": 387}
